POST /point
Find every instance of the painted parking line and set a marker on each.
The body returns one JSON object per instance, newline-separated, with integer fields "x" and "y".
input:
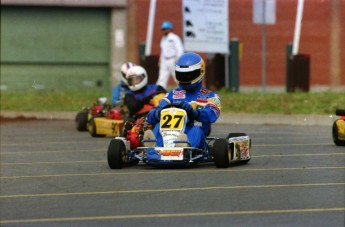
{"x": 50, "y": 152}
{"x": 295, "y": 155}
{"x": 51, "y": 163}
{"x": 102, "y": 161}
{"x": 179, "y": 171}
{"x": 290, "y": 144}
{"x": 48, "y": 143}
{"x": 174, "y": 215}
{"x": 165, "y": 190}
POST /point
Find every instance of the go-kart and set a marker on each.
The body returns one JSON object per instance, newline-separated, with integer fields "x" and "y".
{"x": 100, "y": 108}
{"x": 338, "y": 129}
{"x": 112, "y": 122}
{"x": 133, "y": 148}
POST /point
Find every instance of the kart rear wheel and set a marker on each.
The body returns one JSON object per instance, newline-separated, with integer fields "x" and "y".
{"x": 340, "y": 112}
{"x": 235, "y": 134}
{"x": 335, "y": 135}
{"x": 92, "y": 128}
{"x": 117, "y": 154}
{"x": 221, "y": 153}
{"x": 81, "y": 121}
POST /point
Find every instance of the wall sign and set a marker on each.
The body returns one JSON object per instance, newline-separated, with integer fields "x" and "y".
{"x": 206, "y": 25}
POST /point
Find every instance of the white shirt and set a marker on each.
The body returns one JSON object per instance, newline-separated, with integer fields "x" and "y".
{"x": 171, "y": 47}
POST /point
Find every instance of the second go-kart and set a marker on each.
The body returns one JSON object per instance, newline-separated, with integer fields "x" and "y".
{"x": 338, "y": 129}
{"x": 100, "y": 108}
{"x": 109, "y": 123}
{"x": 133, "y": 148}
{"x": 112, "y": 122}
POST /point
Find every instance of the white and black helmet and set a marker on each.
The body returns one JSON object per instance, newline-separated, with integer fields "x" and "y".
{"x": 124, "y": 69}
{"x": 136, "y": 78}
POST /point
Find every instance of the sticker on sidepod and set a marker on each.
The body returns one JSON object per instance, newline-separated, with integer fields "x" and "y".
{"x": 241, "y": 147}
{"x": 170, "y": 153}
{"x": 242, "y": 150}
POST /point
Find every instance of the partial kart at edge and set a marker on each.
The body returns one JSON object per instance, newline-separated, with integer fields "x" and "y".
{"x": 338, "y": 129}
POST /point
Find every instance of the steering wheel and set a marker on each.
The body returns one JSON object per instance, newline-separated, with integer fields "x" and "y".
{"x": 170, "y": 105}
{"x": 178, "y": 105}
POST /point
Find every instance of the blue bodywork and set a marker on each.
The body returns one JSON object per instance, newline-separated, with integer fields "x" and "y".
{"x": 150, "y": 156}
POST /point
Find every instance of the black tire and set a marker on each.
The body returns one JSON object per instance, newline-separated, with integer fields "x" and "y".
{"x": 209, "y": 131}
{"x": 236, "y": 134}
{"x": 340, "y": 112}
{"x": 117, "y": 154}
{"x": 92, "y": 128}
{"x": 81, "y": 121}
{"x": 335, "y": 135}
{"x": 221, "y": 153}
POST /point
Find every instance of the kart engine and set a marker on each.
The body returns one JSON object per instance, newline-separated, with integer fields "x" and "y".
{"x": 134, "y": 138}
{"x": 135, "y": 131}
{"x": 95, "y": 110}
{"x": 114, "y": 114}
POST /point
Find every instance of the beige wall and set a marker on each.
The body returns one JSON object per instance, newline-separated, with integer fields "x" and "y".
{"x": 118, "y": 53}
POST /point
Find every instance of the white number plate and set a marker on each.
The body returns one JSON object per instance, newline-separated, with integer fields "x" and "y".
{"x": 170, "y": 153}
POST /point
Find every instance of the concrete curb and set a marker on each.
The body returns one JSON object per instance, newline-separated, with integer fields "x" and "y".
{"x": 228, "y": 118}
{"x": 39, "y": 115}
{"x": 276, "y": 119}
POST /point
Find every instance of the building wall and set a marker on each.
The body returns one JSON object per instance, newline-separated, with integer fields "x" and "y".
{"x": 315, "y": 38}
{"x": 54, "y": 47}
{"x": 47, "y": 42}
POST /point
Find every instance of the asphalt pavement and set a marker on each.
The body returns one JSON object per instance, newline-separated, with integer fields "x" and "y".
{"x": 228, "y": 118}
{"x": 53, "y": 175}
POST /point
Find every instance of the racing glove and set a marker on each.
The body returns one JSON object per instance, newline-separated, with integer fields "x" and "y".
{"x": 192, "y": 114}
{"x": 186, "y": 106}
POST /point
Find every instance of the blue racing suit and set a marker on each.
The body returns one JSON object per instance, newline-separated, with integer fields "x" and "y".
{"x": 118, "y": 93}
{"x": 205, "y": 101}
{"x": 135, "y": 100}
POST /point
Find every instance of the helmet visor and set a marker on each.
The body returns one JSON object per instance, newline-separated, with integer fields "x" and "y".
{"x": 187, "y": 77}
{"x": 136, "y": 79}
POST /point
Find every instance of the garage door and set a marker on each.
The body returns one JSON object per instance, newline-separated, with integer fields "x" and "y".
{"x": 54, "y": 48}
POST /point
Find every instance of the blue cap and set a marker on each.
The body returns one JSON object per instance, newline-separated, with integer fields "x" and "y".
{"x": 167, "y": 25}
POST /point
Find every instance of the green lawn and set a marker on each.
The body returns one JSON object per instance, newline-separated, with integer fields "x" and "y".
{"x": 283, "y": 103}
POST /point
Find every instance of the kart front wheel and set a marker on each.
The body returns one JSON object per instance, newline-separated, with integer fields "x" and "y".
{"x": 117, "y": 154}
{"x": 81, "y": 121}
{"x": 221, "y": 153}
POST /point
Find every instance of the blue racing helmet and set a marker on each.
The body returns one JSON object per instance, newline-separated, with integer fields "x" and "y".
{"x": 167, "y": 25}
{"x": 189, "y": 70}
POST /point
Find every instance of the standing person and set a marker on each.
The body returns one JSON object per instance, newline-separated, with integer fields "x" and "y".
{"x": 203, "y": 106}
{"x": 118, "y": 92}
{"x": 171, "y": 49}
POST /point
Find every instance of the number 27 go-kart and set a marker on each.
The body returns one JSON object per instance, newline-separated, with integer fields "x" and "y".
{"x": 132, "y": 148}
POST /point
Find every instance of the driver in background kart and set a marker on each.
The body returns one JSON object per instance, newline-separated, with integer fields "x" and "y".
{"x": 203, "y": 106}
{"x": 140, "y": 93}
{"x": 118, "y": 92}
